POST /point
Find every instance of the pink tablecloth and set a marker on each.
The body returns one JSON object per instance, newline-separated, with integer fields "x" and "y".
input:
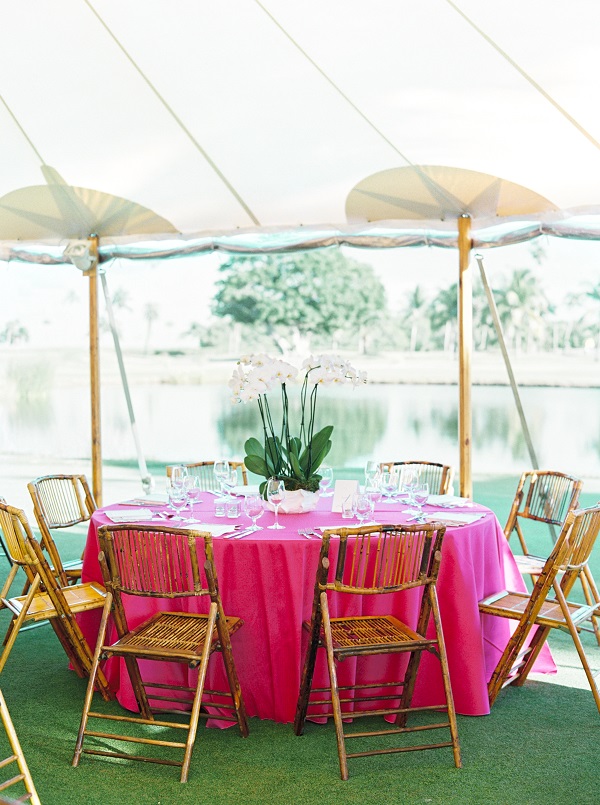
{"x": 267, "y": 579}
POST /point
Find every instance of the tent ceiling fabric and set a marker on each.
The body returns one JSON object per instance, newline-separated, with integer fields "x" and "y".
{"x": 246, "y": 125}
{"x": 428, "y": 193}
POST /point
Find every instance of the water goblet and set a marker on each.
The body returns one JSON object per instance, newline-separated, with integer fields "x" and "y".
{"x": 254, "y": 508}
{"x": 221, "y": 470}
{"x": 389, "y": 486}
{"x": 192, "y": 486}
{"x": 178, "y": 471}
{"x": 177, "y": 500}
{"x": 371, "y": 470}
{"x": 275, "y": 496}
{"x": 421, "y": 495}
{"x": 230, "y": 481}
{"x": 326, "y": 474}
{"x": 409, "y": 480}
{"x": 363, "y": 507}
{"x": 373, "y": 491}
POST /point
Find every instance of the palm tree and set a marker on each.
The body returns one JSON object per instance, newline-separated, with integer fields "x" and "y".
{"x": 444, "y": 316}
{"x": 150, "y": 314}
{"x": 521, "y": 307}
{"x": 415, "y": 314}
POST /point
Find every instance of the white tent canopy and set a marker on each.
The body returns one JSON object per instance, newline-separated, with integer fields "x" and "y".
{"x": 245, "y": 125}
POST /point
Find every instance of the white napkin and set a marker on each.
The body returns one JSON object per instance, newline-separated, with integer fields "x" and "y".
{"x": 216, "y": 530}
{"x": 453, "y": 519}
{"x": 448, "y": 501}
{"x": 129, "y": 515}
{"x": 155, "y": 500}
{"x": 246, "y": 489}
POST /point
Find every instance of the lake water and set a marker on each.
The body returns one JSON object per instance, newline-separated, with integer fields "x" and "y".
{"x": 377, "y": 421}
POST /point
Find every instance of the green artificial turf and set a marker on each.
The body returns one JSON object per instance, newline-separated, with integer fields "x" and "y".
{"x": 539, "y": 745}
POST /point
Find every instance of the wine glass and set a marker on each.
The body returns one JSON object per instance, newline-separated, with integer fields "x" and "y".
{"x": 221, "y": 470}
{"x": 409, "y": 480}
{"x": 363, "y": 507}
{"x": 254, "y": 508}
{"x": 371, "y": 470}
{"x": 177, "y": 499}
{"x": 326, "y": 474}
{"x": 275, "y": 496}
{"x": 230, "y": 481}
{"x": 420, "y": 496}
{"x": 178, "y": 471}
{"x": 389, "y": 485}
{"x": 191, "y": 484}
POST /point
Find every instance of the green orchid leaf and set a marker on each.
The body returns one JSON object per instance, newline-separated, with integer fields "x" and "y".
{"x": 296, "y": 468}
{"x": 318, "y": 459}
{"x": 314, "y": 449}
{"x": 254, "y": 448}
{"x": 257, "y": 465}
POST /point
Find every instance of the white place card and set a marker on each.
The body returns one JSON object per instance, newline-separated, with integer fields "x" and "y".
{"x": 341, "y": 491}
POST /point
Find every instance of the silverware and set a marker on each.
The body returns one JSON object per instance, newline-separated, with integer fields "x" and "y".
{"x": 245, "y": 533}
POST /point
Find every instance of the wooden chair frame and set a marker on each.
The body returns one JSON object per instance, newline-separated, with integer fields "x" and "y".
{"x": 438, "y": 476}
{"x": 17, "y": 756}
{"x": 61, "y": 501}
{"x": 46, "y": 599}
{"x": 538, "y": 610}
{"x": 377, "y": 561}
{"x": 204, "y": 470}
{"x": 159, "y": 562}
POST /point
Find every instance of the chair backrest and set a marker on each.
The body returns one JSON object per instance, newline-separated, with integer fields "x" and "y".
{"x": 205, "y": 471}
{"x": 545, "y": 496}
{"x": 16, "y": 532}
{"x": 583, "y": 533}
{"x": 438, "y": 476}
{"x": 60, "y": 501}
{"x": 156, "y": 562}
{"x": 383, "y": 559}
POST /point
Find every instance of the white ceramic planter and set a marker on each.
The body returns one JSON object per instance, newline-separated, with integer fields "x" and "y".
{"x": 297, "y": 502}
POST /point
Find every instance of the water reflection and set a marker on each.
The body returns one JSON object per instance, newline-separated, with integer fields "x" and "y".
{"x": 385, "y": 422}
{"x": 358, "y": 425}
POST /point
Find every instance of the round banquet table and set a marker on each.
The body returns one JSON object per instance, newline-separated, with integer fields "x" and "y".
{"x": 267, "y": 578}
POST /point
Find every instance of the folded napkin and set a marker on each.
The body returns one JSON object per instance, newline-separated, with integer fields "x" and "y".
{"x": 155, "y": 500}
{"x": 129, "y": 515}
{"x": 217, "y": 530}
{"x": 347, "y": 524}
{"x": 245, "y": 490}
{"x": 453, "y": 519}
{"x": 449, "y": 501}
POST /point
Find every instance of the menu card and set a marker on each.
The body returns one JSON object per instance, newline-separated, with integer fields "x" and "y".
{"x": 341, "y": 491}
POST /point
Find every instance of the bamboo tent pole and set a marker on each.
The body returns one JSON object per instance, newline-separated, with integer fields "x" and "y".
{"x": 465, "y": 345}
{"x": 92, "y": 273}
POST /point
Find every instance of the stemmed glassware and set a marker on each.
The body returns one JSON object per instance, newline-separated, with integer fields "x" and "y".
{"x": 192, "y": 487}
{"x": 389, "y": 485}
{"x": 178, "y": 472}
{"x": 372, "y": 469}
{"x": 275, "y": 496}
{"x": 230, "y": 481}
{"x": 177, "y": 499}
{"x": 409, "y": 480}
{"x": 254, "y": 508}
{"x": 221, "y": 471}
{"x": 363, "y": 507}
{"x": 326, "y": 474}
{"x": 420, "y": 495}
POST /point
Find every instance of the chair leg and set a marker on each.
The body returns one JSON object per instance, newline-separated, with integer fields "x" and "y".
{"x": 308, "y": 671}
{"x": 91, "y": 681}
{"x": 446, "y": 677}
{"x": 592, "y": 597}
{"x": 195, "y": 713}
{"x": 18, "y": 755}
{"x": 232, "y": 677}
{"x": 335, "y": 696}
{"x": 16, "y": 623}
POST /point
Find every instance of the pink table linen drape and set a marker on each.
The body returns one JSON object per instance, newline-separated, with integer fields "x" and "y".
{"x": 267, "y": 579}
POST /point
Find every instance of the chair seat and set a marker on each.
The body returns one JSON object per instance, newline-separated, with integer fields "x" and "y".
{"x": 174, "y": 636}
{"x": 368, "y": 632}
{"x": 512, "y": 604}
{"x": 79, "y": 597}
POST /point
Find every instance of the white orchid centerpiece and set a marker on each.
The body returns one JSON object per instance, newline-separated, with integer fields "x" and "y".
{"x": 295, "y": 459}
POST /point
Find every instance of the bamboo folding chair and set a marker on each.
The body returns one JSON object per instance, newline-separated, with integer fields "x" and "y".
{"x": 23, "y": 776}
{"x": 376, "y": 561}
{"x": 60, "y": 502}
{"x": 545, "y": 496}
{"x": 45, "y": 598}
{"x": 162, "y": 563}
{"x": 204, "y": 471}
{"x": 561, "y": 570}
{"x": 438, "y": 476}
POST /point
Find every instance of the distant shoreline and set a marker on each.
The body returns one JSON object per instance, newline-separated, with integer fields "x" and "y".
{"x": 70, "y": 366}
